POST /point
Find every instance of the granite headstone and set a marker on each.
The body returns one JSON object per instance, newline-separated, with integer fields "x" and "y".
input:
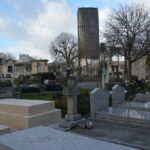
{"x": 118, "y": 95}
{"x": 99, "y": 100}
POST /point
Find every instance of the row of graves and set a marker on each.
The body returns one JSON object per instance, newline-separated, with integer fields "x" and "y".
{"x": 136, "y": 113}
{"x": 35, "y": 115}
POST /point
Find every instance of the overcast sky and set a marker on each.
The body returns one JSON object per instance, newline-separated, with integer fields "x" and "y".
{"x": 28, "y": 26}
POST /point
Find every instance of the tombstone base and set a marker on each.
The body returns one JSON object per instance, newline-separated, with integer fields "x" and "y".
{"x": 70, "y": 121}
{"x": 70, "y": 117}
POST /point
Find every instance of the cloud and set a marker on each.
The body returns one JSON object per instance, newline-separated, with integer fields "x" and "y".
{"x": 35, "y": 26}
{"x": 28, "y": 48}
{"x": 103, "y": 16}
{"x": 145, "y": 2}
{"x": 3, "y": 25}
{"x": 32, "y": 25}
{"x": 55, "y": 19}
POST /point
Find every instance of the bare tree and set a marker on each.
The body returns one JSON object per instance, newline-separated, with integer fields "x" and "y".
{"x": 6, "y": 56}
{"x": 129, "y": 28}
{"x": 64, "y": 49}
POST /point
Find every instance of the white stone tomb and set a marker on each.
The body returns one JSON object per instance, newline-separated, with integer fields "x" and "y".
{"x": 20, "y": 114}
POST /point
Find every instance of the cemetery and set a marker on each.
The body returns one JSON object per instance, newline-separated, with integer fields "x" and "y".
{"x": 106, "y": 113}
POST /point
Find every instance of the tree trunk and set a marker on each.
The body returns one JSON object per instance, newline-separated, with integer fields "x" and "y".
{"x": 79, "y": 68}
{"x": 129, "y": 69}
{"x": 129, "y": 66}
{"x": 118, "y": 68}
{"x": 68, "y": 64}
{"x": 87, "y": 66}
{"x": 100, "y": 75}
{"x": 125, "y": 65}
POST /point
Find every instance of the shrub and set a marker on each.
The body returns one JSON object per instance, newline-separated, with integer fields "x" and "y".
{"x": 38, "y": 96}
{"x": 83, "y": 106}
{"x": 5, "y": 83}
{"x": 62, "y": 104}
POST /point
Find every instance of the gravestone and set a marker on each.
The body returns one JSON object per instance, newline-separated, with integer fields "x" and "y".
{"x": 100, "y": 109}
{"x": 72, "y": 96}
{"x": 99, "y": 100}
{"x": 72, "y": 100}
{"x": 118, "y": 95}
{"x": 72, "y": 119}
{"x": 118, "y": 99}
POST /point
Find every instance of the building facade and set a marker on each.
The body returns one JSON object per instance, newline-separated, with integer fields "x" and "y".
{"x": 24, "y": 66}
{"x": 140, "y": 69}
{"x": 39, "y": 66}
{"x": 7, "y": 68}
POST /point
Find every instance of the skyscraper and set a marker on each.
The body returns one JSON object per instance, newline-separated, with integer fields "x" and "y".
{"x": 88, "y": 33}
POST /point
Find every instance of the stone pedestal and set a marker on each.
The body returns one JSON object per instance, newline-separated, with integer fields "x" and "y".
{"x": 71, "y": 105}
{"x": 70, "y": 121}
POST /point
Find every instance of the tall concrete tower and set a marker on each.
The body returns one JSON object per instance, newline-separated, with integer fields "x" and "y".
{"x": 88, "y": 33}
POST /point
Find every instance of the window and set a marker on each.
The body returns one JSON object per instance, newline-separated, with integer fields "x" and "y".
{"x": 10, "y": 69}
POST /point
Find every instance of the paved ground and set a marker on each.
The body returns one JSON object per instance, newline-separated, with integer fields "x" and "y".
{"x": 124, "y": 135}
{"x": 131, "y": 136}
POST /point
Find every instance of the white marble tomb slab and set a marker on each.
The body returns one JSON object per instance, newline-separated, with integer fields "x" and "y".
{"x": 25, "y": 107}
{"x": 141, "y": 97}
{"x": 44, "y": 138}
{"x": 124, "y": 114}
{"x": 136, "y": 106}
{"x": 20, "y": 114}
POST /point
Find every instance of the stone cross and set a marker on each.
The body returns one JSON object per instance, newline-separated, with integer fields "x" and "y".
{"x": 72, "y": 119}
{"x": 72, "y": 96}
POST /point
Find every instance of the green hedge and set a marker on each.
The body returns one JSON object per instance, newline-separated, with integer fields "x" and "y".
{"x": 37, "y": 96}
{"x": 83, "y": 103}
